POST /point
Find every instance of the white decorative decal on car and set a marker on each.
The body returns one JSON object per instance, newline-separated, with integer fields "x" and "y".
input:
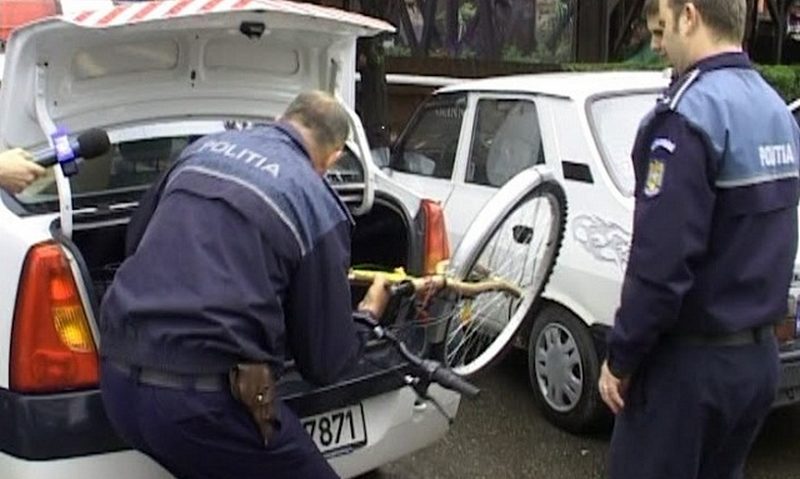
{"x": 605, "y": 240}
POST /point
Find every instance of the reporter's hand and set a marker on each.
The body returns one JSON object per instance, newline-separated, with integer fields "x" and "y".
{"x": 17, "y": 170}
{"x": 377, "y": 297}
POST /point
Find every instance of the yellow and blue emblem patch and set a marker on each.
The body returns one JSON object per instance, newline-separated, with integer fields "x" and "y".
{"x": 655, "y": 177}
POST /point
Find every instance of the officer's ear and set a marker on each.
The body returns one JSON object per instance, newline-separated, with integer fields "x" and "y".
{"x": 689, "y": 19}
{"x": 332, "y": 156}
{"x": 325, "y": 158}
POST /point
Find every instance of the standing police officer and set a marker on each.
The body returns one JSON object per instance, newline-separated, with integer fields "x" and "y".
{"x": 239, "y": 260}
{"x": 692, "y": 364}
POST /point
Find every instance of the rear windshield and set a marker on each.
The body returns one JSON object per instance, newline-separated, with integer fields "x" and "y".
{"x": 615, "y": 121}
{"x": 137, "y": 157}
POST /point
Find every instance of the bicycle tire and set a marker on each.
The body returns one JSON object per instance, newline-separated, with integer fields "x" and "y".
{"x": 467, "y": 360}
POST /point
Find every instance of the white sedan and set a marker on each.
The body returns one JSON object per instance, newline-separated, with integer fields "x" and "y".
{"x": 569, "y": 238}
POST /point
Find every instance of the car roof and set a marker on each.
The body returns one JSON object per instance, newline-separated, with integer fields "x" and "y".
{"x": 572, "y": 85}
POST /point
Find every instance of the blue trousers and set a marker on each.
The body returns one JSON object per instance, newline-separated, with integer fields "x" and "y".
{"x": 207, "y": 434}
{"x": 693, "y": 412}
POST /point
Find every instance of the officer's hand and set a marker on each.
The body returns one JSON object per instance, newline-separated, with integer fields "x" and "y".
{"x": 377, "y": 297}
{"x": 17, "y": 170}
{"x": 612, "y": 389}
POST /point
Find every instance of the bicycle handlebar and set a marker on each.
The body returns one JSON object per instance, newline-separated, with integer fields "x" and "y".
{"x": 438, "y": 281}
{"x": 434, "y": 370}
{"x": 450, "y": 380}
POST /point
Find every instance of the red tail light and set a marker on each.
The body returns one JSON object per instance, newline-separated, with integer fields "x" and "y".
{"x": 52, "y": 348}
{"x": 14, "y": 13}
{"x": 437, "y": 246}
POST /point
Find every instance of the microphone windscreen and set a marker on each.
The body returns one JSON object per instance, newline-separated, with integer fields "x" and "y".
{"x": 93, "y": 143}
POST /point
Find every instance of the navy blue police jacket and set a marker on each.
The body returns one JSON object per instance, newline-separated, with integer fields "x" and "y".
{"x": 715, "y": 221}
{"x": 245, "y": 258}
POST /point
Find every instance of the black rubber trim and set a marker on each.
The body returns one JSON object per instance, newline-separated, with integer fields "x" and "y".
{"x": 577, "y": 172}
{"x": 54, "y": 426}
{"x": 347, "y": 393}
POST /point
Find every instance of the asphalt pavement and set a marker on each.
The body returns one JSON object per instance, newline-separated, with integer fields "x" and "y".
{"x": 502, "y": 435}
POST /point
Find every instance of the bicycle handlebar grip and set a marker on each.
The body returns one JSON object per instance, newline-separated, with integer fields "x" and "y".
{"x": 451, "y": 380}
{"x": 403, "y": 289}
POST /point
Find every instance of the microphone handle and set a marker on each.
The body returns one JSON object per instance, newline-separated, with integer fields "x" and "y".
{"x": 47, "y": 156}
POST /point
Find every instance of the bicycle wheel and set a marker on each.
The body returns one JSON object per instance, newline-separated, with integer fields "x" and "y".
{"x": 520, "y": 246}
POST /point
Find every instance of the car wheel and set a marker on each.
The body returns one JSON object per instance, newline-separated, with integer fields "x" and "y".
{"x": 564, "y": 368}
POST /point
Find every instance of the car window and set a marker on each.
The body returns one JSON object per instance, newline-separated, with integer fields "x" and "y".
{"x": 506, "y": 140}
{"x": 128, "y": 165}
{"x": 138, "y": 156}
{"x": 615, "y": 121}
{"x": 430, "y": 143}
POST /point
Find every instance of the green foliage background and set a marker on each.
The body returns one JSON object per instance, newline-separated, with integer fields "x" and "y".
{"x": 784, "y": 78}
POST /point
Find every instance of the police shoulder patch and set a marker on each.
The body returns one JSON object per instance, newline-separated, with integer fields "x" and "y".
{"x": 664, "y": 143}
{"x": 655, "y": 177}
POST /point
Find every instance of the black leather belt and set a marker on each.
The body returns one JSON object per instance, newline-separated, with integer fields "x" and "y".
{"x": 155, "y": 377}
{"x": 739, "y": 338}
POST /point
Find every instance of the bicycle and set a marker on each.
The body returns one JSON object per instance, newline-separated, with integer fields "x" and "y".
{"x": 404, "y": 291}
{"x": 473, "y": 306}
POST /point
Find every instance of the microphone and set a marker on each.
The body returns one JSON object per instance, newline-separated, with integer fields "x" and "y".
{"x": 89, "y": 144}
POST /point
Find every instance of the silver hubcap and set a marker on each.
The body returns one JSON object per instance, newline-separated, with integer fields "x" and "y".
{"x": 559, "y": 370}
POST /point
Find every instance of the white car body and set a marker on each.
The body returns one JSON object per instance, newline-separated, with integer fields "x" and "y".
{"x": 586, "y": 123}
{"x": 585, "y": 279}
{"x": 148, "y": 70}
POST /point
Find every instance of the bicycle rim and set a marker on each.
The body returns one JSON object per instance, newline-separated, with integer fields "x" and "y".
{"x": 522, "y": 250}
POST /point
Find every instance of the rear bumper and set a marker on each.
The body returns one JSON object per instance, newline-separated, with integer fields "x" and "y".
{"x": 51, "y": 426}
{"x": 397, "y": 425}
{"x": 55, "y": 426}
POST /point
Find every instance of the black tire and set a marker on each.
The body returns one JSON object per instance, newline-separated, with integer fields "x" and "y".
{"x": 556, "y": 195}
{"x": 587, "y": 413}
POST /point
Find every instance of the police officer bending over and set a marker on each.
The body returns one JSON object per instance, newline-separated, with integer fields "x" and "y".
{"x": 692, "y": 363}
{"x": 243, "y": 261}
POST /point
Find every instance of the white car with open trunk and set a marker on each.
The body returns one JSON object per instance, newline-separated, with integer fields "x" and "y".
{"x": 155, "y": 76}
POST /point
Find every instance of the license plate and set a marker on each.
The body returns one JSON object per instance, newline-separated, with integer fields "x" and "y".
{"x": 789, "y": 386}
{"x": 337, "y": 430}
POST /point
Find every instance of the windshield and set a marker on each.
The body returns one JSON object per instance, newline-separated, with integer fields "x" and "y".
{"x": 138, "y": 156}
{"x": 615, "y": 121}
{"x": 429, "y": 145}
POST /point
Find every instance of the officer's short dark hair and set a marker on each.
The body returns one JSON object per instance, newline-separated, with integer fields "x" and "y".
{"x": 650, "y": 8}
{"x": 323, "y": 115}
{"x": 726, "y": 17}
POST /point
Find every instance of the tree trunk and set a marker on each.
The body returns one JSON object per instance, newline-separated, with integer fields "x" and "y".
{"x": 429, "y": 25}
{"x": 372, "y": 101}
{"x": 487, "y": 37}
{"x": 405, "y": 23}
{"x": 451, "y": 17}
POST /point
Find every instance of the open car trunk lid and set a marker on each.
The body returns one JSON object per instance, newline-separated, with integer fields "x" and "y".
{"x": 168, "y": 61}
